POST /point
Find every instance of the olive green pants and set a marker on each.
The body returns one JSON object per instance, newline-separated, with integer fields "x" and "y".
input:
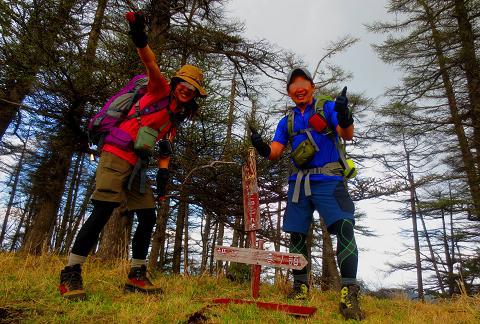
{"x": 111, "y": 182}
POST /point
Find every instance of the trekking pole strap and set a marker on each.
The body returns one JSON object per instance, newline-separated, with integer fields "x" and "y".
{"x": 329, "y": 169}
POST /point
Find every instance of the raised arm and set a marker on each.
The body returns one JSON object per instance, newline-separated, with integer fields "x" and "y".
{"x": 155, "y": 77}
{"x": 136, "y": 20}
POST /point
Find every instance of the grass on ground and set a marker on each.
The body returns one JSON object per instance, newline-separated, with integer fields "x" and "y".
{"x": 28, "y": 293}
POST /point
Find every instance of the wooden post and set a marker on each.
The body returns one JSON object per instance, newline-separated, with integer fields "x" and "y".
{"x": 254, "y": 254}
{"x": 251, "y": 213}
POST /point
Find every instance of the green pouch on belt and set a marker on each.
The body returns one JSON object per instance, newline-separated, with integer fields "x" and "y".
{"x": 146, "y": 139}
{"x": 303, "y": 153}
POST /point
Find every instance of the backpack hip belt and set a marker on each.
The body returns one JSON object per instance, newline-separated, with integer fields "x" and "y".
{"x": 329, "y": 169}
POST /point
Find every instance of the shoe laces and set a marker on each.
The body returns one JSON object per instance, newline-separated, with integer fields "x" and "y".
{"x": 349, "y": 296}
{"x": 73, "y": 279}
{"x": 140, "y": 273}
{"x": 300, "y": 290}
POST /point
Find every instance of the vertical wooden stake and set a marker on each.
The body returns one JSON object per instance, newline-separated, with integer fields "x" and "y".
{"x": 251, "y": 213}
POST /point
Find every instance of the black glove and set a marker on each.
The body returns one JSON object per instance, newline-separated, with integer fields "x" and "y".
{"x": 344, "y": 115}
{"x": 136, "y": 20}
{"x": 162, "y": 181}
{"x": 262, "y": 148}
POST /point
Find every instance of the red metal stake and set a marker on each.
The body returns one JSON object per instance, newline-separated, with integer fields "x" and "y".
{"x": 256, "y": 269}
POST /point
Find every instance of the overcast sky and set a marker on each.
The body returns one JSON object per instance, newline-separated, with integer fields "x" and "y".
{"x": 305, "y": 27}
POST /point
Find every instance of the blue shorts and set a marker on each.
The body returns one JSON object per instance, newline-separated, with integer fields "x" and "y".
{"x": 330, "y": 199}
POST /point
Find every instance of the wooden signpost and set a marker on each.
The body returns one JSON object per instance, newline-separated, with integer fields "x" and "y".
{"x": 254, "y": 254}
{"x": 261, "y": 257}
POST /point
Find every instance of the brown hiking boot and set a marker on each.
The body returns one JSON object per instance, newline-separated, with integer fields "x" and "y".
{"x": 299, "y": 292}
{"x": 138, "y": 282}
{"x": 349, "y": 305}
{"x": 71, "y": 284}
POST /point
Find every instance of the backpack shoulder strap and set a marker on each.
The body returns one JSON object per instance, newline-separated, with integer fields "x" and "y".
{"x": 159, "y": 105}
{"x": 321, "y": 100}
{"x": 290, "y": 121}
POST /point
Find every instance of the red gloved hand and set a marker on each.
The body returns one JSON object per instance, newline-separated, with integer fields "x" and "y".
{"x": 318, "y": 123}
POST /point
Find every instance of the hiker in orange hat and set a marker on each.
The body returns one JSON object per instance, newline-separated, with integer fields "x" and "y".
{"x": 121, "y": 172}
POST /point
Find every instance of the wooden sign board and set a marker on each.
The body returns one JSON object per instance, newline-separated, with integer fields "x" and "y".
{"x": 251, "y": 209}
{"x": 260, "y": 257}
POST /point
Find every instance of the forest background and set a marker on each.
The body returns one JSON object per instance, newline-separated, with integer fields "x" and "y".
{"x": 418, "y": 146}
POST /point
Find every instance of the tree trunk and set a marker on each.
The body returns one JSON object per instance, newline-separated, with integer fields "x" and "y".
{"x": 330, "y": 277}
{"x": 28, "y": 219}
{"x": 68, "y": 205}
{"x": 13, "y": 192}
{"x": 114, "y": 243}
{"x": 205, "y": 236}
{"x": 160, "y": 24}
{"x": 220, "y": 233}
{"x": 48, "y": 186}
{"x": 472, "y": 71}
{"x": 430, "y": 247}
{"x": 75, "y": 223}
{"x": 448, "y": 258}
{"x": 413, "y": 211}
{"x": 181, "y": 216}
{"x": 185, "y": 246}
{"x": 16, "y": 236}
{"x": 212, "y": 248}
{"x": 158, "y": 238}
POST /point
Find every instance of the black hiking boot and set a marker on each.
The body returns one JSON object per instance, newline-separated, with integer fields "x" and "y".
{"x": 71, "y": 284}
{"x": 349, "y": 305}
{"x": 299, "y": 292}
{"x": 138, "y": 282}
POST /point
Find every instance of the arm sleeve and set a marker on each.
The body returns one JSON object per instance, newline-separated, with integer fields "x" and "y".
{"x": 281, "y": 134}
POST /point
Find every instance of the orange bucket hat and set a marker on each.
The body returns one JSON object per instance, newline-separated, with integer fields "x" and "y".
{"x": 192, "y": 75}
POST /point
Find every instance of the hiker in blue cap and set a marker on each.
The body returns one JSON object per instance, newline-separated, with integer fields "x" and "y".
{"x": 313, "y": 128}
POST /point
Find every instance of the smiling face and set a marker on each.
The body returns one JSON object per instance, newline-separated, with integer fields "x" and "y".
{"x": 184, "y": 92}
{"x": 301, "y": 91}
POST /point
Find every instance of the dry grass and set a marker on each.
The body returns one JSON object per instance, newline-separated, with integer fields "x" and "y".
{"x": 28, "y": 293}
